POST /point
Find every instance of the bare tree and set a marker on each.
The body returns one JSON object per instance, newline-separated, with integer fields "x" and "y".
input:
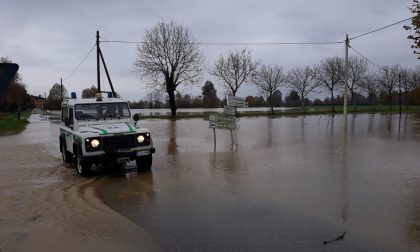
{"x": 329, "y": 74}
{"x": 388, "y": 79}
{"x": 371, "y": 87}
{"x": 235, "y": 69}
{"x": 168, "y": 57}
{"x": 268, "y": 79}
{"x": 357, "y": 72}
{"x": 411, "y": 82}
{"x": 303, "y": 81}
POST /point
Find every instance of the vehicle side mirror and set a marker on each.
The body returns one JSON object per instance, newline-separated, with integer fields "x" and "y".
{"x": 136, "y": 117}
{"x": 67, "y": 121}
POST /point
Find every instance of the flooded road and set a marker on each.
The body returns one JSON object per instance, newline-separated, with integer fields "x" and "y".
{"x": 46, "y": 206}
{"x": 284, "y": 184}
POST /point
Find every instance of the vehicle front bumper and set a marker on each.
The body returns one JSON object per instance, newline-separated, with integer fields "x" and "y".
{"x": 110, "y": 156}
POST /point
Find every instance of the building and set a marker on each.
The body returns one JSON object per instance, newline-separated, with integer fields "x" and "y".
{"x": 38, "y": 101}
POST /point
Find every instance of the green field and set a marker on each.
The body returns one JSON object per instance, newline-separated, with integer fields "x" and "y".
{"x": 9, "y": 124}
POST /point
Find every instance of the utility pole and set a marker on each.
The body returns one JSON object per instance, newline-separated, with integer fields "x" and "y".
{"x": 61, "y": 89}
{"x": 98, "y": 74}
{"x": 346, "y": 74}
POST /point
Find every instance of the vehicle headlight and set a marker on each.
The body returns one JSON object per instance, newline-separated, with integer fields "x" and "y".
{"x": 94, "y": 143}
{"x": 140, "y": 138}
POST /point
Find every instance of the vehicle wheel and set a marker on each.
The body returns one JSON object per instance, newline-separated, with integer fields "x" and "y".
{"x": 144, "y": 163}
{"x": 66, "y": 155}
{"x": 82, "y": 167}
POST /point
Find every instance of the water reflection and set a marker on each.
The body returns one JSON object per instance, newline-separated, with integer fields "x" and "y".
{"x": 371, "y": 118}
{"x": 353, "y": 124}
{"x": 132, "y": 192}
{"x": 172, "y": 146}
{"x": 344, "y": 176}
{"x": 302, "y": 128}
{"x": 388, "y": 124}
{"x": 226, "y": 162}
{"x": 413, "y": 216}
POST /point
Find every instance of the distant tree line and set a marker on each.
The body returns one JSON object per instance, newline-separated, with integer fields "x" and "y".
{"x": 168, "y": 57}
{"x": 207, "y": 99}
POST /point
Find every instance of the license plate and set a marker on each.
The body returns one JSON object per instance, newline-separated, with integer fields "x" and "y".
{"x": 143, "y": 153}
{"x": 121, "y": 160}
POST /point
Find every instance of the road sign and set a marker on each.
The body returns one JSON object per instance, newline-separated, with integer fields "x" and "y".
{"x": 223, "y": 125}
{"x": 237, "y": 104}
{"x": 235, "y": 101}
{"x": 222, "y": 118}
{"x": 235, "y": 98}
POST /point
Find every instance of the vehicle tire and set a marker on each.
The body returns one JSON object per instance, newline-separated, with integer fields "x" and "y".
{"x": 66, "y": 155}
{"x": 144, "y": 163}
{"x": 82, "y": 167}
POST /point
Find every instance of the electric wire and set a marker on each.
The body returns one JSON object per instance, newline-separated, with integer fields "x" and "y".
{"x": 235, "y": 43}
{"x": 83, "y": 60}
{"x": 253, "y": 44}
{"x": 367, "y": 59}
{"x": 381, "y": 28}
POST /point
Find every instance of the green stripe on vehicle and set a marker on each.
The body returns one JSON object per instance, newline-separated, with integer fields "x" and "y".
{"x": 103, "y": 132}
{"x": 130, "y": 128}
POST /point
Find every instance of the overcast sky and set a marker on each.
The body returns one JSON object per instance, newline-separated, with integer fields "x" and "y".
{"x": 49, "y": 38}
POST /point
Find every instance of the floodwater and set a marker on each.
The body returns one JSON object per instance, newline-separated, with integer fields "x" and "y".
{"x": 282, "y": 184}
{"x": 196, "y": 111}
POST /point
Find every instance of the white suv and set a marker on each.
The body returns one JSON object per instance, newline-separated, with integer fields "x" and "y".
{"x": 101, "y": 131}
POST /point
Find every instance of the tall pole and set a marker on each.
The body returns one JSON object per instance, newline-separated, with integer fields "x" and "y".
{"x": 61, "y": 89}
{"x": 214, "y": 136}
{"x": 346, "y": 74}
{"x": 107, "y": 74}
{"x": 98, "y": 74}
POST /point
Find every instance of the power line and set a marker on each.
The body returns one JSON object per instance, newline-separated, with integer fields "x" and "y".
{"x": 381, "y": 28}
{"x": 270, "y": 43}
{"x": 368, "y": 60}
{"x": 252, "y": 44}
{"x": 234, "y": 43}
{"x": 77, "y": 67}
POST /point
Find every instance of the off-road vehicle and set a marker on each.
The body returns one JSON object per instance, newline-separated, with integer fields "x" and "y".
{"x": 102, "y": 131}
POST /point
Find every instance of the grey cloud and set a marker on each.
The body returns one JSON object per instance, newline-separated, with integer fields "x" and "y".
{"x": 49, "y": 38}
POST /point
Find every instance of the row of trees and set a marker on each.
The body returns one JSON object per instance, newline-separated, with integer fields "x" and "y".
{"x": 207, "y": 99}
{"x": 169, "y": 56}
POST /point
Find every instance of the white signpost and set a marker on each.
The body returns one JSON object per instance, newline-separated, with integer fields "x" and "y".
{"x": 235, "y": 101}
{"x": 228, "y": 119}
{"x": 217, "y": 121}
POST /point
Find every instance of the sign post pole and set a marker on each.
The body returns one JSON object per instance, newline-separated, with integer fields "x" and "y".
{"x": 227, "y": 120}
{"x": 214, "y": 135}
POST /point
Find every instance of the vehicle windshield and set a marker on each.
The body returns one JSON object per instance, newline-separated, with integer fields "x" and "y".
{"x": 101, "y": 111}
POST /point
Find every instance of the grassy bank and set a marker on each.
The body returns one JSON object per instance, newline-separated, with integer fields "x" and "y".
{"x": 9, "y": 124}
{"x": 296, "y": 111}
